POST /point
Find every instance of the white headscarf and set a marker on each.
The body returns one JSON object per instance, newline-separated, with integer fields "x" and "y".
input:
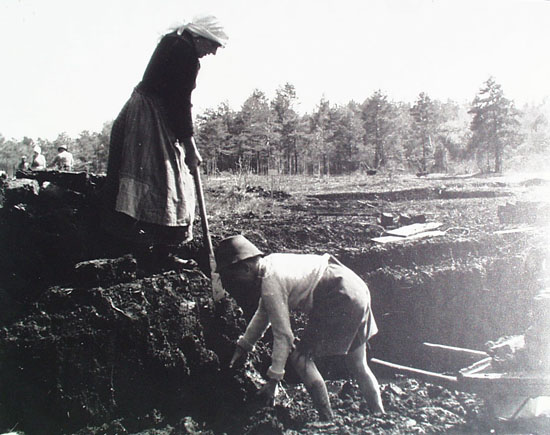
{"x": 206, "y": 26}
{"x": 37, "y": 149}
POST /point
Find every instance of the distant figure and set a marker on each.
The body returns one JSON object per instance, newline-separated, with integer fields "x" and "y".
{"x": 38, "y": 162}
{"x": 23, "y": 164}
{"x": 64, "y": 160}
{"x": 149, "y": 190}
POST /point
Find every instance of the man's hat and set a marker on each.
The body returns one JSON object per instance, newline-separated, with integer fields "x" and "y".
{"x": 61, "y": 147}
{"x": 235, "y": 249}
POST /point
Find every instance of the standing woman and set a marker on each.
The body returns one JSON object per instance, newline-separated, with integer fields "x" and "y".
{"x": 149, "y": 192}
{"x": 38, "y": 161}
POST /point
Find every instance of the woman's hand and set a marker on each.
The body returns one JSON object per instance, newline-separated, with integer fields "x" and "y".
{"x": 270, "y": 391}
{"x": 239, "y": 357}
{"x": 192, "y": 156}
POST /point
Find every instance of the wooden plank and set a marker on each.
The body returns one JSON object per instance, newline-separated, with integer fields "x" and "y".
{"x": 426, "y": 234}
{"x": 410, "y": 230}
{"x": 516, "y": 230}
{"x": 472, "y": 352}
{"x": 389, "y": 239}
{"x": 428, "y": 375}
{"x": 478, "y": 366}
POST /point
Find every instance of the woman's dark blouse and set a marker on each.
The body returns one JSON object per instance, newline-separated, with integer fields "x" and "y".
{"x": 171, "y": 75}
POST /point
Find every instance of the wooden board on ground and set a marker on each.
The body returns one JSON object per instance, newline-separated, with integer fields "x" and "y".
{"x": 411, "y": 230}
{"x": 388, "y": 239}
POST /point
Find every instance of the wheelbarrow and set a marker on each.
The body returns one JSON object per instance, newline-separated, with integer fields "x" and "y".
{"x": 504, "y": 392}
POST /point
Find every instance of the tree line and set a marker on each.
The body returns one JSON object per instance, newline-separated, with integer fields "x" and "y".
{"x": 270, "y": 136}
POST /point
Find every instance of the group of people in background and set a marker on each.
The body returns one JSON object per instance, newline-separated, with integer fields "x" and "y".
{"x": 63, "y": 161}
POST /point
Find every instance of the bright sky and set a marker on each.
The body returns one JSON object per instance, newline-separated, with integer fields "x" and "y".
{"x": 70, "y": 65}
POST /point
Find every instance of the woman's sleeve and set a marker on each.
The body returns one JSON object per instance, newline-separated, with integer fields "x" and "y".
{"x": 183, "y": 70}
{"x": 276, "y": 305}
{"x": 255, "y": 329}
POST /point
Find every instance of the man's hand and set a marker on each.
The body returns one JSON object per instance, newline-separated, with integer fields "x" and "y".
{"x": 270, "y": 391}
{"x": 239, "y": 357}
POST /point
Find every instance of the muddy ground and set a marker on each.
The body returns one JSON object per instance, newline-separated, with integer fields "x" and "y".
{"x": 91, "y": 342}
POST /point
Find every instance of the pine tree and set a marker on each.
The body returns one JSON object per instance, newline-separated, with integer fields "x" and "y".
{"x": 494, "y": 125}
{"x": 377, "y": 121}
{"x": 425, "y": 121}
